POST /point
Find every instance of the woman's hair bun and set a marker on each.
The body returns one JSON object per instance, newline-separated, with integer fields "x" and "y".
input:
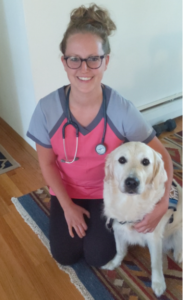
{"x": 93, "y": 15}
{"x": 93, "y": 19}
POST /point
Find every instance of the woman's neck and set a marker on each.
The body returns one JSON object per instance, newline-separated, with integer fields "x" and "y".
{"x": 90, "y": 99}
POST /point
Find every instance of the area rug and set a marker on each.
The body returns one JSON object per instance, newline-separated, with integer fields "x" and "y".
{"x": 7, "y": 163}
{"x": 132, "y": 280}
{"x": 173, "y": 143}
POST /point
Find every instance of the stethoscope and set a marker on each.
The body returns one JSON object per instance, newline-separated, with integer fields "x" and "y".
{"x": 100, "y": 148}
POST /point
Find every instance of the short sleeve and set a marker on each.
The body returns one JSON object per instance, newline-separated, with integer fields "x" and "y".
{"x": 135, "y": 127}
{"x": 38, "y": 129}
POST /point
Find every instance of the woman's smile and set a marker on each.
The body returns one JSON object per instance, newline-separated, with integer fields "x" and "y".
{"x": 84, "y": 46}
{"x": 85, "y": 79}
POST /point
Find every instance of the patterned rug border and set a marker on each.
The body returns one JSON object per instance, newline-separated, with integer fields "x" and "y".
{"x": 14, "y": 163}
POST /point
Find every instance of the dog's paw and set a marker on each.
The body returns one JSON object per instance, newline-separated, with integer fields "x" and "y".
{"x": 109, "y": 266}
{"x": 178, "y": 257}
{"x": 113, "y": 264}
{"x": 159, "y": 287}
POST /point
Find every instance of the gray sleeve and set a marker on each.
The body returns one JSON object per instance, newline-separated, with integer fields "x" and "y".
{"x": 135, "y": 128}
{"x": 38, "y": 129}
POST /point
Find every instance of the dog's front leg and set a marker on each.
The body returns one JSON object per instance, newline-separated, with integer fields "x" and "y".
{"x": 155, "y": 248}
{"x": 121, "y": 250}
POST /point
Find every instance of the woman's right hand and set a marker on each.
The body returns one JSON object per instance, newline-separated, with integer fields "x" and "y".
{"x": 74, "y": 215}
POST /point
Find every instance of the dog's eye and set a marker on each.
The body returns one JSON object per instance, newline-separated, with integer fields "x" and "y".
{"x": 145, "y": 162}
{"x": 122, "y": 160}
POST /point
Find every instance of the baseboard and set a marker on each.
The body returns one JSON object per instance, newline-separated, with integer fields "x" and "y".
{"x": 15, "y": 136}
{"x": 163, "y": 112}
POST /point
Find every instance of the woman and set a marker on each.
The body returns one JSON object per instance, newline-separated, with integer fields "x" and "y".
{"x": 72, "y": 166}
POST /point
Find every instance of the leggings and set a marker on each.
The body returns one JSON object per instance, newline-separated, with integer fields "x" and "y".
{"x": 97, "y": 247}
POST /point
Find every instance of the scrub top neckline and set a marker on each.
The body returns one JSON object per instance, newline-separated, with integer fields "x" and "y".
{"x": 94, "y": 122}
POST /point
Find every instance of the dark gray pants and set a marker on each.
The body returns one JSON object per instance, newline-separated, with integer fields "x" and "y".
{"x": 98, "y": 245}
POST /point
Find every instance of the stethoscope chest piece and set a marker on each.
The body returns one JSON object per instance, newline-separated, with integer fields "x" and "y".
{"x": 101, "y": 149}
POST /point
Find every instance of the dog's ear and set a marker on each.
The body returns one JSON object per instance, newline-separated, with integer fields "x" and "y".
{"x": 159, "y": 174}
{"x": 108, "y": 168}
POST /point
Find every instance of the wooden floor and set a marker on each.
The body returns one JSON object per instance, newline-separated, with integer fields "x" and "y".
{"x": 27, "y": 271}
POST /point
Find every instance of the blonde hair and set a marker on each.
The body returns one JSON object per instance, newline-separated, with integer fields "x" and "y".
{"x": 93, "y": 20}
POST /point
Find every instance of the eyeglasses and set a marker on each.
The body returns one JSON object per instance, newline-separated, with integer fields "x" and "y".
{"x": 75, "y": 62}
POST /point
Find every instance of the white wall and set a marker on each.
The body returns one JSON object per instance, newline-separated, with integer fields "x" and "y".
{"x": 146, "y": 48}
{"x": 17, "y": 97}
{"x": 145, "y": 61}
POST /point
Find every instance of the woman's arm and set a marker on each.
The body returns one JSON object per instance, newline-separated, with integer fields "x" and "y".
{"x": 150, "y": 221}
{"x": 73, "y": 213}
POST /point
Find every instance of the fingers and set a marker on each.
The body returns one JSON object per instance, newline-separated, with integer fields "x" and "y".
{"x": 145, "y": 230}
{"x": 144, "y": 226}
{"x": 77, "y": 222}
{"x": 70, "y": 231}
{"x": 79, "y": 229}
{"x": 86, "y": 212}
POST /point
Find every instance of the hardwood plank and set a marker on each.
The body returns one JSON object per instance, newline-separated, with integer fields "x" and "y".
{"x": 61, "y": 288}
{"x": 3, "y": 207}
{"x": 3, "y": 293}
{"x": 13, "y": 135}
{"x": 27, "y": 179}
{"x": 27, "y": 238}
{"x": 13, "y": 277}
{"x": 8, "y": 189}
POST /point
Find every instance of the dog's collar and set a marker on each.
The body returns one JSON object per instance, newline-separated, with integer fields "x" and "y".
{"x": 174, "y": 196}
{"x": 173, "y": 201}
{"x": 110, "y": 223}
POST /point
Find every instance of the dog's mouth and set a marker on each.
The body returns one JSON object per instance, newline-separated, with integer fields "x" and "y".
{"x": 131, "y": 192}
{"x": 125, "y": 190}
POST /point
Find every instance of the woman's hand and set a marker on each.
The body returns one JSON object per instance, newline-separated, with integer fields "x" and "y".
{"x": 74, "y": 215}
{"x": 151, "y": 220}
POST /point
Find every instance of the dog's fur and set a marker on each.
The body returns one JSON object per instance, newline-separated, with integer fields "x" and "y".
{"x": 130, "y": 202}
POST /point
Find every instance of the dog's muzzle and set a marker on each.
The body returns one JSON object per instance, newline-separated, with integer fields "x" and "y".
{"x": 131, "y": 185}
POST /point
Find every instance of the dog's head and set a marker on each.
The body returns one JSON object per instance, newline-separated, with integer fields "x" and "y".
{"x": 134, "y": 167}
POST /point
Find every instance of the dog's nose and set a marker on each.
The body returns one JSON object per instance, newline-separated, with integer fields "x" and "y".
{"x": 132, "y": 183}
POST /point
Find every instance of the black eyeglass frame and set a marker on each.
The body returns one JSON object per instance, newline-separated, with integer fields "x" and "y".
{"x": 84, "y": 59}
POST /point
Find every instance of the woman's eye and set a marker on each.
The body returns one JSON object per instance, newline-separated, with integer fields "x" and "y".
{"x": 145, "y": 162}
{"x": 122, "y": 160}
{"x": 93, "y": 58}
{"x": 75, "y": 59}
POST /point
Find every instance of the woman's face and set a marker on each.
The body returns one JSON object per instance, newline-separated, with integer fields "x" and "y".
{"x": 85, "y": 45}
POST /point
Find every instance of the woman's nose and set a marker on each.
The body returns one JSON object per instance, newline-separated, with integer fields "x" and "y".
{"x": 84, "y": 66}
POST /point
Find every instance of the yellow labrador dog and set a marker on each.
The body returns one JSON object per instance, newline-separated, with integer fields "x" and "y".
{"x": 134, "y": 183}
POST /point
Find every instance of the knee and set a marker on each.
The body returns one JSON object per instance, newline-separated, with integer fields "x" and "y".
{"x": 64, "y": 254}
{"x": 64, "y": 257}
{"x": 99, "y": 256}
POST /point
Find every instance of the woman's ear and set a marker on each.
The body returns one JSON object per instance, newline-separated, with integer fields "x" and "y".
{"x": 63, "y": 62}
{"x": 107, "y": 58}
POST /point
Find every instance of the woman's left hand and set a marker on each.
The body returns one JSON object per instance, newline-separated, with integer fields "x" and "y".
{"x": 151, "y": 220}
